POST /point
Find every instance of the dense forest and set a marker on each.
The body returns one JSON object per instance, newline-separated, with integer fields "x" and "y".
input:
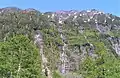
{"x": 64, "y": 44}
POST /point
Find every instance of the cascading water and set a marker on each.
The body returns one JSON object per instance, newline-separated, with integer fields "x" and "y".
{"x": 39, "y": 42}
{"x": 63, "y": 57}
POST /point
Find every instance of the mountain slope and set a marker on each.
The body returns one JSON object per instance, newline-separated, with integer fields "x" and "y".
{"x": 86, "y": 43}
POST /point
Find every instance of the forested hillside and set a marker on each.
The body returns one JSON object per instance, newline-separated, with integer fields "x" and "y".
{"x": 64, "y": 44}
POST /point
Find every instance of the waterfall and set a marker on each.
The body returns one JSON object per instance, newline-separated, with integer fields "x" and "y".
{"x": 38, "y": 40}
{"x": 63, "y": 57}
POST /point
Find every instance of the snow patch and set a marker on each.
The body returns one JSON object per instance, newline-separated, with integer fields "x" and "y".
{"x": 100, "y": 12}
{"x": 88, "y": 20}
{"x": 91, "y": 17}
{"x": 105, "y": 21}
{"x": 75, "y": 16}
{"x": 75, "y": 13}
{"x": 60, "y": 22}
{"x": 113, "y": 19}
{"x": 53, "y": 15}
{"x": 48, "y": 16}
{"x": 96, "y": 21}
{"x": 85, "y": 21}
{"x": 80, "y": 14}
{"x": 69, "y": 14}
{"x": 88, "y": 11}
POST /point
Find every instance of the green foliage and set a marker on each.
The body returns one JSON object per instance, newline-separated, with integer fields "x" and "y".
{"x": 77, "y": 40}
{"x": 51, "y": 35}
{"x": 111, "y": 66}
{"x": 89, "y": 69}
{"x": 56, "y": 75}
{"x": 19, "y": 53}
{"x": 19, "y": 59}
{"x": 18, "y": 23}
{"x": 106, "y": 65}
{"x": 51, "y": 41}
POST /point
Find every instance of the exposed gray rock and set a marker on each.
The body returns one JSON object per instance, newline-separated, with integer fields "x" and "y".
{"x": 115, "y": 44}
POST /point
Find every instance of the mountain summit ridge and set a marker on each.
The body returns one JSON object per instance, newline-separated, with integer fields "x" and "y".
{"x": 67, "y": 11}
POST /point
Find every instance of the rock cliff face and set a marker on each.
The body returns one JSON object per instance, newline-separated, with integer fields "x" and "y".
{"x": 88, "y": 24}
{"x": 115, "y": 42}
{"x": 68, "y": 37}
